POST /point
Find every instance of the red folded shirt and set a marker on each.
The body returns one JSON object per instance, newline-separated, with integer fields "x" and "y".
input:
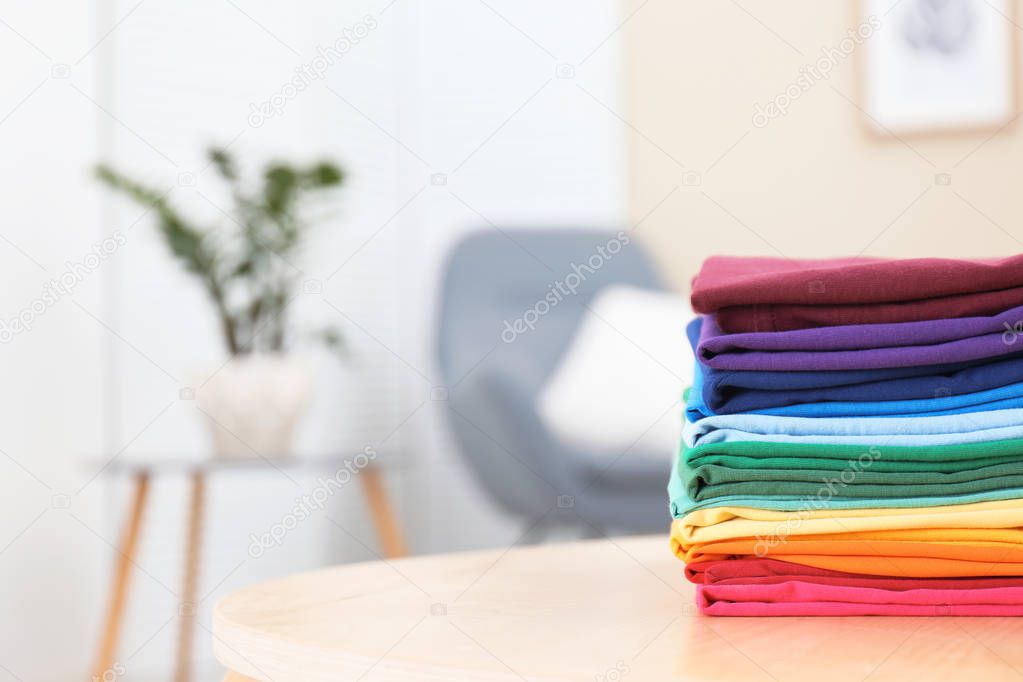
{"x": 777, "y": 294}
{"x": 767, "y": 587}
{"x": 773, "y": 571}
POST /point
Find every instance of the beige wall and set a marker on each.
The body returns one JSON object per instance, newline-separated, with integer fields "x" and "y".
{"x": 813, "y": 182}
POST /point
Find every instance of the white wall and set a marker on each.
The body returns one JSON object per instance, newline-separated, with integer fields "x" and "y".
{"x": 464, "y": 89}
{"x": 519, "y": 146}
{"x": 51, "y": 378}
{"x": 815, "y": 182}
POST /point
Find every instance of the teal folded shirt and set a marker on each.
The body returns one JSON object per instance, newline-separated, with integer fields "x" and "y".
{"x": 681, "y": 504}
{"x": 792, "y": 477}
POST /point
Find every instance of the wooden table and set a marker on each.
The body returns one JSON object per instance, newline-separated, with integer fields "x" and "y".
{"x": 605, "y": 610}
{"x": 392, "y": 541}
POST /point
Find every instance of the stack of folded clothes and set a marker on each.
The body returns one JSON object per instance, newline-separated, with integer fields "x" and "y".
{"x": 854, "y": 438}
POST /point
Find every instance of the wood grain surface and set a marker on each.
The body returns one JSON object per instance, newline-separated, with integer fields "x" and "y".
{"x": 604, "y": 610}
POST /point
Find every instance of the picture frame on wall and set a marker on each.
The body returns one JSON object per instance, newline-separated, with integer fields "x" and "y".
{"x": 938, "y": 65}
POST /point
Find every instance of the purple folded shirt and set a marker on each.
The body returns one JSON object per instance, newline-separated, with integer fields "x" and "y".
{"x": 864, "y": 346}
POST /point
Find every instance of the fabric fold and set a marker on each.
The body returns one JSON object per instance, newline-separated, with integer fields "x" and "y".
{"x": 734, "y": 391}
{"x": 853, "y": 439}
{"x": 777, "y": 294}
{"x": 929, "y": 431}
{"x": 797, "y": 598}
{"x": 902, "y": 344}
{"x": 786, "y": 477}
{"x": 772, "y": 571}
{"x": 982, "y": 539}
{"x": 712, "y": 481}
{"x": 942, "y": 402}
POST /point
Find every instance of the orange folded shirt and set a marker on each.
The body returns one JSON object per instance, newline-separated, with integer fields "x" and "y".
{"x": 984, "y": 539}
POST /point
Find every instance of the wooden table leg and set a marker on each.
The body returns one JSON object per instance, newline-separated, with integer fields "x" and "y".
{"x": 235, "y": 677}
{"x": 392, "y": 541}
{"x": 122, "y": 576}
{"x": 189, "y": 602}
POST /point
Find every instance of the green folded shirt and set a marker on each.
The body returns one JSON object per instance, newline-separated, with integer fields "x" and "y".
{"x": 940, "y": 458}
{"x": 711, "y": 481}
{"x": 794, "y": 475}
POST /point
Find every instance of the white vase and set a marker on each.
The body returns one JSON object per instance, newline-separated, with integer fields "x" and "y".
{"x": 253, "y": 403}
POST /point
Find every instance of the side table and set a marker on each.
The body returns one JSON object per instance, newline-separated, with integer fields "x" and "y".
{"x": 392, "y": 541}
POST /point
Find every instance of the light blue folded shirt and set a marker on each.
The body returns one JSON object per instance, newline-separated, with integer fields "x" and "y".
{"x": 968, "y": 427}
{"x": 1001, "y": 398}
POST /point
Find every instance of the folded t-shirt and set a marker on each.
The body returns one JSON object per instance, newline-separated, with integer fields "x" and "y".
{"x": 776, "y": 294}
{"x": 940, "y": 402}
{"x": 752, "y": 571}
{"x": 762, "y": 587}
{"x": 902, "y": 344}
{"x": 798, "y": 598}
{"x": 713, "y": 481}
{"x": 836, "y": 457}
{"x": 725, "y": 392}
{"x": 802, "y": 476}
{"x": 983, "y": 539}
{"x": 975, "y": 427}
{"x": 728, "y": 391}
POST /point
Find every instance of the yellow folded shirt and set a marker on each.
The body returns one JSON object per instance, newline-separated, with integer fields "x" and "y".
{"x": 965, "y": 540}
{"x": 719, "y": 523}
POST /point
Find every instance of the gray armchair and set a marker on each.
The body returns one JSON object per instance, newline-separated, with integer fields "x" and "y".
{"x": 495, "y": 276}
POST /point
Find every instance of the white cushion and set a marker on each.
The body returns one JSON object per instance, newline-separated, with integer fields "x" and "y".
{"x": 619, "y": 385}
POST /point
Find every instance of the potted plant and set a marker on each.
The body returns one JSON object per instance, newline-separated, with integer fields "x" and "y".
{"x": 254, "y": 401}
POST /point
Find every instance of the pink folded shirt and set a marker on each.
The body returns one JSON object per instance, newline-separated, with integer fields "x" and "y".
{"x": 798, "y": 598}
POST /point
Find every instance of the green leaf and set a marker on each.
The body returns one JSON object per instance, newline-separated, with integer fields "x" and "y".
{"x": 242, "y": 275}
{"x": 244, "y": 268}
{"x": 334, "y": 340}
{"x": 185, "y": 241}
{"x": 324, "y": 174}
{"x": 223, "y": 162}
{"x": 279, "y": 188}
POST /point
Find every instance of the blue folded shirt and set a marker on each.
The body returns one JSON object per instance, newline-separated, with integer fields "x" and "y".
{"x": 935, "y": 389}
{"x": 1001, "y": 398}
